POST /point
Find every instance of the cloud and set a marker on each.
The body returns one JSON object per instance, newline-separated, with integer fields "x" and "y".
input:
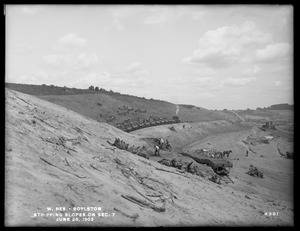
{"x": 58, "y": 60}
{"x": 162, "y": 15}
{"x": 137, "y": 84}
{"x": 207, "y": 95}
{"x": 198, "y": 71}
{"x": 238, "y": 81}
{"x": 42, "y": 75}
{"x": 96, "y": 79}
{"x": 30, "y": 10}
{"x": 119, "y": 13}
{"x": 81, "y": 61}
{"x": 135, "y": 69}
{"x": 23, "y": 48}
{"x": 273, "y": 52}
{"x": 72, "y": 40}
{"x": 204, "y": 82}
{"x": 151, "y": 15}
{"x": 227, "y": 45}
{"x": 85, "y": 61}
{"x": 252, "y": 71}
{"x": 198, "y": 15}
{"x": 277, "y": 83}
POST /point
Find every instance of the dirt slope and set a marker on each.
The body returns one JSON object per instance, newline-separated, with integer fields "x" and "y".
{"x": 57, "y": 158}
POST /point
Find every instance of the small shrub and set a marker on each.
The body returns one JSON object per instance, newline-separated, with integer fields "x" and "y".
{"x": 172, "y": 129}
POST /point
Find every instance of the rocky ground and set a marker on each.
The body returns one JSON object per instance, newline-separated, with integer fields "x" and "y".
{"x": 58, "y": 159}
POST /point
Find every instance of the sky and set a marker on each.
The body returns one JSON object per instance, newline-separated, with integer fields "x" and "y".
{"x": 210, "y": 56}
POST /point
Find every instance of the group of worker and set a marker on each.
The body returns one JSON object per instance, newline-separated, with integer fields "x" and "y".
{"x": 253, "y": 171}
{"x": 120, "y": 144}
{"x": 161, "y": 145}
{"x": 195, "y": 170}
{"x": 135, "y": 150}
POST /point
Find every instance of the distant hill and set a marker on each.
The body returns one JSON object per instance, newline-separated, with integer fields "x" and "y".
{"x": 282, "y": 106}
{"x": 43, "y": 89}
{"x": 113, "y": 108}
{"x": 187, "y": 106}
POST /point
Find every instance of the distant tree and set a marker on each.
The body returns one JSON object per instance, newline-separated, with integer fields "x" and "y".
{"x": 44, "y": 85}
{"x": 96, "y": 88}
{"x": 91, "y": 88}
{"x": 225, "y": 109}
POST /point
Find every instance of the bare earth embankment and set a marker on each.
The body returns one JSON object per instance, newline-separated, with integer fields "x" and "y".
{"x": 58, "y": 158}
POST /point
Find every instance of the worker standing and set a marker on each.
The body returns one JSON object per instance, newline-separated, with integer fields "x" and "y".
{"x": 156, "y": 151}
{"x": 162, "y": 142}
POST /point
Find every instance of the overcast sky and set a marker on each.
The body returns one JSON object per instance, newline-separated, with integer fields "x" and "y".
{"x": 212, "y": 56}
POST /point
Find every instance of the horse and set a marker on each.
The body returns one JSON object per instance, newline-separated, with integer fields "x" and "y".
{"x": 227, "y": 152}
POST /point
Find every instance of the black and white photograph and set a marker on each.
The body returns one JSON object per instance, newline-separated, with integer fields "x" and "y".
{"x": 154, "y": 115}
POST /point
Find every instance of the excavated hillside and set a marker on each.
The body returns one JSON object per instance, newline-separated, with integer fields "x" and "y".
{"x": 59, "y": 165}
{"x": 106, "y": 106}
